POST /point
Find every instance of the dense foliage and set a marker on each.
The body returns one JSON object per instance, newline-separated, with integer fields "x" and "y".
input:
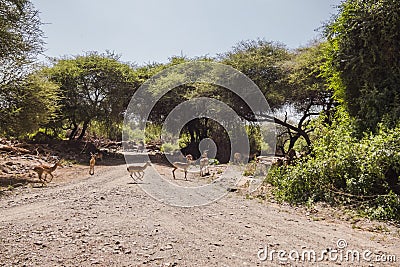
{"x": 21, "y": 39}
{"x": 364, "y": 60}
{"x": 28, "y": 105}
{"x": 261, "y": 61}
{"x": 93, "y": 88}
{"x": 344, "y": 169}
{"x": 355, "y": 157}
{"x": 308, "y": 93}
{"x": 27, "y": 99}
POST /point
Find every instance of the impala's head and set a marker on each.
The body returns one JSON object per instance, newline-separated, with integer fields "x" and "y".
{"x": 58, "y": 163}
{"x": 189, "y": 157}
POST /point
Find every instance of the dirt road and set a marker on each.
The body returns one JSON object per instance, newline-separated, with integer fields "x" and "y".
{"x": 107, "y": 220}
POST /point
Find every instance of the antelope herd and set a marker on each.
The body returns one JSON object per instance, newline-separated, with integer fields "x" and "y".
{"x": 137, "y": 171}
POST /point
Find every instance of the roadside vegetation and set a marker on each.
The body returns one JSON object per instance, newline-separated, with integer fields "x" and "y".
{"x": 335, "y": 101}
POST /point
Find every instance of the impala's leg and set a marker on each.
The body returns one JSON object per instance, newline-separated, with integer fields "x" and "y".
{"x": 185, "y": 175}
{"x": 42, "y": 179}
{"x": 173, "y": 172}
{"x": 50, "y": 178}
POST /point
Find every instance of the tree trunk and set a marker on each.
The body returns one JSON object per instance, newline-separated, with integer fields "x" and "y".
{"x": 293, "y": 140}
{"x": 295, "y": 129}
{"x": 298, "y": 130}
{"x": 73, "y": 132}
{"x": 84, "y": 128}
{"x": 191, "y": 132}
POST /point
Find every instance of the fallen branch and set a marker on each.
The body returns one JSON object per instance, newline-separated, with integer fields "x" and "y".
{"x": 8, "y": 148}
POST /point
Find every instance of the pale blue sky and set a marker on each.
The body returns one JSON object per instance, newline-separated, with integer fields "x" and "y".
{"x": 154, "y": 30}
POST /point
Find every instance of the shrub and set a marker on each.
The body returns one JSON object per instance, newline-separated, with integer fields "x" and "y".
{"x": 345, "y": 170}
{"x": 169, "y": 147}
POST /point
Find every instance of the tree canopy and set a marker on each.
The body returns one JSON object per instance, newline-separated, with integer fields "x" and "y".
{"x": 364, "y": 60}
{"x": 261, "y": 61}
{"x": 28, "y": 105}
{"x": 93, "y": 87}
{"x": 21, "y": 39}
{"x": 27, "y": 99}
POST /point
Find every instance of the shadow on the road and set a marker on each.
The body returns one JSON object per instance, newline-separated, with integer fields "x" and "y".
{"x": 106, "y": 161}
{"x": 137, "y": 183}
{"x": 11, "y": 182}
{"x": 159, "y": 159}
{"x": 181, "y": 179}
{"x": 116, "y": 159}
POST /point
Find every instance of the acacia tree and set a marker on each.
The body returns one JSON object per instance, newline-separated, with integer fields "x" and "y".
{"x": 94, "y": 87}
{"x": 309, "y": 93}
{"x": 286, "y": 79}
{"x": 21, "y": 39}
{"x": 27, "y": 99}
{"x": 261, "y": 61}
{"x": 28, "y": 105}
{"x": 364, "y": 61}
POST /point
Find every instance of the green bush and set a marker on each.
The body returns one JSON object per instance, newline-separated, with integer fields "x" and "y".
{"x": 169, "y": 147}
{"x": 213, "y": 162}
{"x": 345, "y": 170}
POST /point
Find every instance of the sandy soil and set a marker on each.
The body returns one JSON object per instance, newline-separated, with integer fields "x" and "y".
{"x": 107, "y": 220}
